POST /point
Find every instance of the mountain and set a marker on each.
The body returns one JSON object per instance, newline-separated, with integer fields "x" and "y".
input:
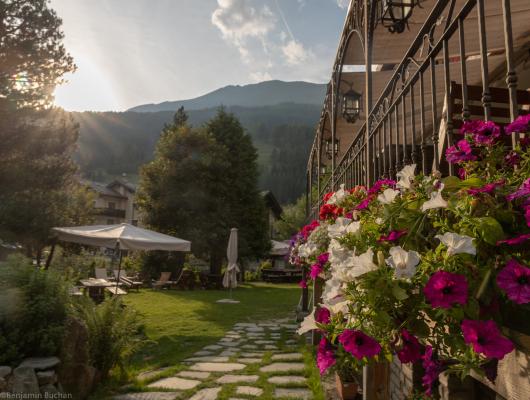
{"x": 261, "y": 94}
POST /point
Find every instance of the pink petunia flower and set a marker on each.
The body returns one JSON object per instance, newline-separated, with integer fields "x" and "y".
{"x": 303, "y": 284}
{"x": 330, "y": 211}
{"x": 462, "y": 173}
{"x": 485, "y": 338}
{"x": 316, "y": 269}
{"x": 512, "y": 159}
{"x": 527, "y": 214}
{"x": 471, "y": 127}
{"x": 520, "y": 125}
{"x": 365, "y": 203}
{"x": 392, "y": 236}
{"x": 523, "y": 191}
{"x": 488, "y": 188}
{"x": 325, "y": 356}
{"x": 411, "y": 350}
{"x": 306, "y": 230}
{"x": 460, "y": 152}
{"x": 487, "y": 133}
{"x": 359, "y": 344}
{"x": 380, "y": 183}
{"x": 515, "y": 240}
{"x": 323, "y": 316}
{"x": 432, "y": 369}
{"x": 514, "y": 279}
{"x": 444, "y": 289}
{"x": 323, "y": 258}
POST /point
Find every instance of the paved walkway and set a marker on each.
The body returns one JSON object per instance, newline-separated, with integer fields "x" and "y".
{"x": 252, "y": 361}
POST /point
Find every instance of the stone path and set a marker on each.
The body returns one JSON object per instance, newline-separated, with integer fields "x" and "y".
{"x": 252, "y": 361}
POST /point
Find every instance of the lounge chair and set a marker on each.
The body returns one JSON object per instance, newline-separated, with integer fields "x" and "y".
{"x": 128, "y": 280}
{"x": 163, "y": 281}
{"x": 115, "y": 290}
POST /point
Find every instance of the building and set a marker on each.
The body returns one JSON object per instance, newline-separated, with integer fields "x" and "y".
{"x": 406, "y": 75}
{"x": 114, "y": 203}
{"x": 274, "y": 211}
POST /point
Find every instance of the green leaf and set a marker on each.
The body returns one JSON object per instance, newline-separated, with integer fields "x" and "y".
{"x": 399, "y": 293}
{"x": 489, "y": 229}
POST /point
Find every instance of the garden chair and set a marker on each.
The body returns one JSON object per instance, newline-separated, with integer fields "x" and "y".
{"x": 116, "y": 291}
{"x": 128, "y": 280}
{"x": 163, "y": 281}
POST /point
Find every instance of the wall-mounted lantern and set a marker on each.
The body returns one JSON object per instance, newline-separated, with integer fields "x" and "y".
{"x": 323, "y": 169}
{"x": 351, "y": 105}
{"x": 395, "y": 14}
{"x": 332, "y": 150}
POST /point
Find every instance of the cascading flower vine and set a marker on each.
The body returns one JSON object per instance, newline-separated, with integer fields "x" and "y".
{"x": 420, "y": 267}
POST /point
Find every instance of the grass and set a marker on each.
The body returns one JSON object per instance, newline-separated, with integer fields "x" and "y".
{"x": 179, "y": 323}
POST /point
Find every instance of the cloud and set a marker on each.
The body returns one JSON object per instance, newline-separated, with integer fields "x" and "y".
{"x": 260, "y": 76}
{"x": 296, "y": 53}
{"x": 343, "y": 4}
{"x": 240, "y": 23}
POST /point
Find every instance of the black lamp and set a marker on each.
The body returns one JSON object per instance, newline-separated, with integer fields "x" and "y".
{"x": 351, "y": 105}
{"x": 332, "y": 150}
{"x": 396, "y": 13}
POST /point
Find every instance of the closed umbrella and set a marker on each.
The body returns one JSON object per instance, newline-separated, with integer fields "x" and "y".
{"x": 230, "y": 276}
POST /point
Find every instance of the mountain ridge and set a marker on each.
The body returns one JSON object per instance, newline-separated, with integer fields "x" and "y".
{"x": 267, "y": 93}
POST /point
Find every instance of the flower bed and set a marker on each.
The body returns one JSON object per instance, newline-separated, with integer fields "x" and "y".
{"x": 424, "y": 268}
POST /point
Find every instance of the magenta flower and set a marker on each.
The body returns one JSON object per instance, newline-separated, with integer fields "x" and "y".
{"x": 462, "y": 174}
{"x": 392, "y": 236}
{"x": 524, "y": 142}
{"x": 432, "y": 368}
{"x": 515, "y": 240}
{"x": 514, "y": 279}
{"x": 411, "y": 350}
{"x": 523, "y": 191}
{"x": 527, "y": 214}
{"x": 323, "y": 316}
{"x": 359, "y": 344}
{"x": 485, "y": 338}
{"x": 365, "y": 203}
{"x": 445, "y": 289}
{"x": 323, "y": 258}
{"x": 316, "y": 269}
{"x": 460, "y": 152}
{"x": 380, "y": 183}
{"x": 303, "y": 284}
{"x": 471, "y": 127}
{"x": 520, "y": 125}
{"x": 488, "y": 188}
{"x": 325, "y": 356}
{"x": 487, "y": 133}
{"x": 512, "y": 159}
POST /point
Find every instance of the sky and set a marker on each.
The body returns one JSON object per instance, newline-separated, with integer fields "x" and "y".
{"x": 132, "y": 52}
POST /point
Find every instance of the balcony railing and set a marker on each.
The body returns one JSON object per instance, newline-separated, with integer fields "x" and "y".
{"x": 110, "y": 212}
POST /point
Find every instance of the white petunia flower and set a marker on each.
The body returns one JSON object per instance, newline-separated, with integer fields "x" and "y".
{"x": 362, "y": 264}
{"x": 338, "y": 196}
{"x": 307, "y": 250}
{"x": 436, "y": 201}
{"x": 379, "y": 220}
{"x": 406, "y": 177}
{"x": 339, "y": 228}
{"x": 404, "y": 262}
{"x": 308, "y": 324}
{"x": 457, "y": 244}
{"x": 353, "y": 227}
{"x": 340, "y": 306}
{"x": 388, "y": 196}
{"x": 337, "y": 253}
{"x": 332, "y": 289}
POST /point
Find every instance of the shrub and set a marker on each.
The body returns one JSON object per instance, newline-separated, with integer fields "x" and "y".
{"x": 113, "y": 333}
{"x": 33, "y": 312}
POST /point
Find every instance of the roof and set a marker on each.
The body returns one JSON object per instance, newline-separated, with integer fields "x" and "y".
{"x": 127, "y": 185}
{"x": 102, "y": 189}
{"x": 272, "y": 203}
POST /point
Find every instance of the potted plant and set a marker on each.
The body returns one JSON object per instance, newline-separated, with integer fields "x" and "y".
{"x": 346, "y": 381}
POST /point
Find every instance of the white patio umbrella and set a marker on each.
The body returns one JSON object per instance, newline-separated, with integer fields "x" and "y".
{"x": 230, "y": 276}
{"x": 122, "y": 237}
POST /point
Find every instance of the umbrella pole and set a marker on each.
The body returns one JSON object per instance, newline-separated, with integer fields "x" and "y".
{"x": 119, "y": 272}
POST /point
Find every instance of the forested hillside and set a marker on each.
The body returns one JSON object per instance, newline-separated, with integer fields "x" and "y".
{"x": 113, "y": 143}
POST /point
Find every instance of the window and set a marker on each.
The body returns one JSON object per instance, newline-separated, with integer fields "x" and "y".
{"x": 112, "y": 205}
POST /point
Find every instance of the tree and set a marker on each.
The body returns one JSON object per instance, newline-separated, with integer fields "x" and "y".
{"x": 293, "y": 218}
{"x": 201, "y": 183}
{"x": 181, "y": 117}
{"x": 246, "y": 208}
{"x": 32, "y": 55}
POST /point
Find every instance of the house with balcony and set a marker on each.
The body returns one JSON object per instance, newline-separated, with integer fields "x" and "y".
{"x": 114, "y": 202}
{"x": 406, "y": 75}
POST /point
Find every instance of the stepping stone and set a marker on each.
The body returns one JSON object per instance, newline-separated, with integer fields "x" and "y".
{"x": 206, "y": 394}
{"x": 208, "y": 359}
{"x": 290, "y": 326}
{"x": 231, "y": 333}
{"x": 229, "y": 353}
{"x": 249, "y": 391}
{"x": 237, "y": 379}
{"x": 213, "y": 347}
{"x": 174, "y": 383}
{"x": 194, "y": 374}
{"x": 270, "y": 347}
{"x": 255, "y": 329}
{"x": 150, "y": 374}
{"x": 266, "y": 324}
{"x": 251, "y": 355}
{"x": 264, "y": 341}
{"x": 274, "y": 328}
{"x": 283, "y": 367}
{"x": 147, "y": 396}
{"x": 249, "y": 360}
{"x": 286, "y": 380}
{"x": 203, "y": 353}
{"x": 287, "y": 356}
{"x": 291, "y": 341}
{"x": 249, "y": 346}
{"x": 230, "y": 344}
{"x": 217, "y": 367}
{"x": 245, "y": 324}
{"x": 299, "y": 394}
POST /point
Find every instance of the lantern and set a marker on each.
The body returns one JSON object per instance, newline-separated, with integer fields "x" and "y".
{"x": 396, "y": 13}
{"x": 351, "y": 105}
{"x": 332, "y": 150}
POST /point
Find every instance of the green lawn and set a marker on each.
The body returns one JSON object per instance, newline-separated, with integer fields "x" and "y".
{"x": 179, "y": 323}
